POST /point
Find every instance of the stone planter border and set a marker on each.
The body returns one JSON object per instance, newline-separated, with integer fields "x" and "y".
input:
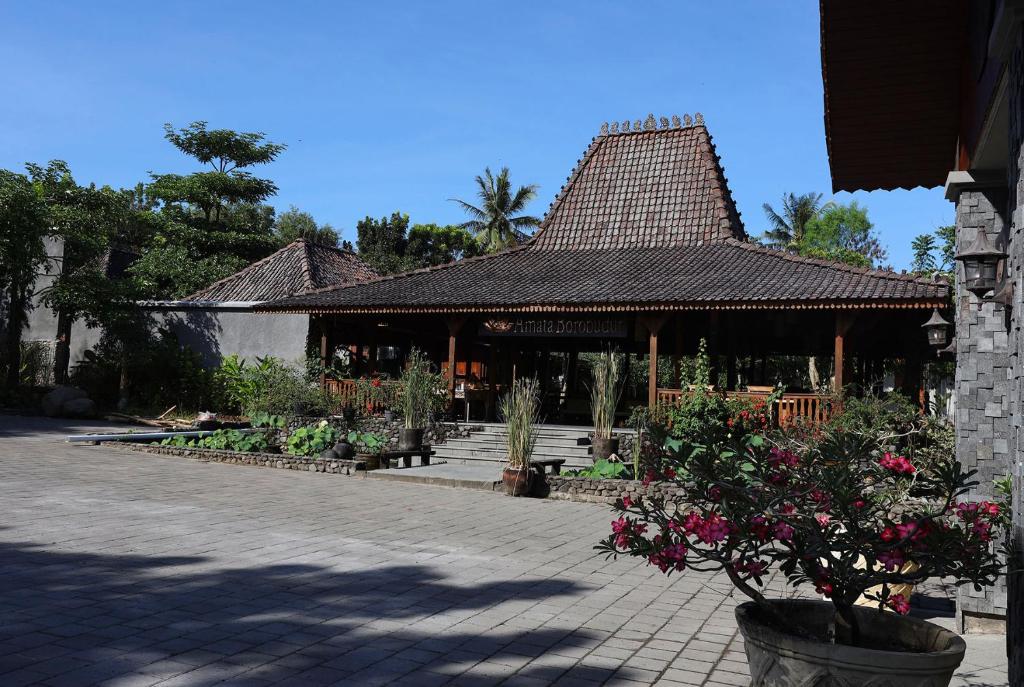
{"x": 281, "y": 461}
{"x": 589, "y": 490}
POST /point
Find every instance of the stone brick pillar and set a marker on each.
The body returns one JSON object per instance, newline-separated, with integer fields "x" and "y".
{"x": 983, "y": 384}
{"x": 1015, "y": 203}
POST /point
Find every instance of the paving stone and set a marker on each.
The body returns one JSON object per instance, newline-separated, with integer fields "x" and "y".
{"x": 188, "y": 573}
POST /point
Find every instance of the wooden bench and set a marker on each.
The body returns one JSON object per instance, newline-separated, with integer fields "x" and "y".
{"x": 551, "y": 466}
{"x": 424, "y": 452}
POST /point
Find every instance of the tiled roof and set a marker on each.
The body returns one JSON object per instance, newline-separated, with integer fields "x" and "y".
{"x": 729, "y": 273}
{"x": 646, "y": 220}
{"x": 300, "y": 266}
{"x": 647, "y": 188}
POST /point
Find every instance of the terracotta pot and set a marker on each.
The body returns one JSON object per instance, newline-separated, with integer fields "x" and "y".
{"x": 410, "y": 439}
{"x": 777, "y": 659}
{"x": 516, "y": 480}
{"x": 372, "y": 460}
{"x": 602, "y": 448}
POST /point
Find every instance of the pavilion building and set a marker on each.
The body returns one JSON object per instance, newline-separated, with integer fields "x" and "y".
{"x": 642, "y": 250}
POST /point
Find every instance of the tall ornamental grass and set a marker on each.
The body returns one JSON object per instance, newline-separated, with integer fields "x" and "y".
{"x": 520, "y": 408}
{"x": 605, "y": 392}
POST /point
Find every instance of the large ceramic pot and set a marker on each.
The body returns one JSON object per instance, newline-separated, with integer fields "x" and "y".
{"x": 349, "y": 413}
{"x": 777, "y": 659}
{"x": 344, "y": 449}
{"x": 372, "y": 460}
{"x": 516, "y": 481}
{"x": 410, "y": 439}
{"x": 601, "y": 449}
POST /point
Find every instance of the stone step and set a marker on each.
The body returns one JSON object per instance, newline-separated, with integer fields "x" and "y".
{"x": 499, "y": 440}
{"x": 573, "y": 463}
{"x": 498, "y": 453}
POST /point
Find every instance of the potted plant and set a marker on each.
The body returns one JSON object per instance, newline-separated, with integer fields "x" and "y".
{"x": 520, "y": 408}
{"x": 837, "y": 516}
{"x": 418, "y": 389}
{"x": 369, "y": 447}
{"x": 605, "y": 391}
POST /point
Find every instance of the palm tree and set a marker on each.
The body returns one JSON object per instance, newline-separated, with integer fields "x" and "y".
{"x": 787, "y": 227}
{"x": 496, "y": 222}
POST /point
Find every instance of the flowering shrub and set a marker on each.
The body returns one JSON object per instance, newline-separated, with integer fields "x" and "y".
{"x": 837, "y": 516}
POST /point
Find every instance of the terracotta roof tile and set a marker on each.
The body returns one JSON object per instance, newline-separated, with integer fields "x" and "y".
{"x": 298, "y": 267}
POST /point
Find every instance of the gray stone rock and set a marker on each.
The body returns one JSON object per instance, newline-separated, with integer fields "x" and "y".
{"x": 78, "y": 407}
{"x": 53, "y": 402}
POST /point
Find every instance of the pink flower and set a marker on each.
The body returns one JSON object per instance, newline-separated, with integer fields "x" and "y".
{"x": 898, "y": 603}
{"x": 670, "y": 473}
{"x": 783, "y": 531}
{"x": 897, "y": 464}
{"x": 713, "y": 529}
{"x": 626, "y": 502}
{"x": 859, "y": 503}
{"x": 759, "y": 527}
{"x": 823, "y": 588}
{"x": 692, "y": 521}
{"x": 892, "y": 560}
{"x": 823, "y": 519}
{"x": 649, "y": 477}
{"x": 715, "y": 494}
{"x": 888, "y": 534}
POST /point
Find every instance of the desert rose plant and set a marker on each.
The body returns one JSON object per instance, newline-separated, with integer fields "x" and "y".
{"x": 837, "y": 516}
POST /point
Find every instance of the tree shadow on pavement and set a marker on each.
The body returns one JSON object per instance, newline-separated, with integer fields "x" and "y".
{"x": 83, "y": 619}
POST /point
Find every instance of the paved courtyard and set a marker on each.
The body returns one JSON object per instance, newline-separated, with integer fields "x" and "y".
{"x": 121, "y": 568}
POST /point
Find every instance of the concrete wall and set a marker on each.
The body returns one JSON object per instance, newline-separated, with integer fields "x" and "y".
{"x": 219, "y": 333}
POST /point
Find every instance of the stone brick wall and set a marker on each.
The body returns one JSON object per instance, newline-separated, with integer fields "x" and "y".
{"x": 437, "y": 433}
{"x": 983, "y": 385}
{"x": 605, "y": 490}
{"x": 1015, "y": 584}
{"x": 281, "y": 461}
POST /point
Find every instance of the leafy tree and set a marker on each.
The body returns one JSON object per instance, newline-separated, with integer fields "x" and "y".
{"x": 296, "y": 224}
{"x": 925, "y": 246}
{"x": 788, "y": 226}
{"x": 497, "y": 222}
{"x": 381, "y": 243}
{"x": 843, "y": 233}
{"x": 86, "y": 220}
{"x": 24, "y": 224}
{"x": 433, "y": 244}
{"x": 214, "y": 221}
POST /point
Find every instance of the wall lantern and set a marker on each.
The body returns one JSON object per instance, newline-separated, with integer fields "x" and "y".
{"x": 1004, "y": 294}
{"x": 948, "y": 350}
{"x": 980, "y": 260}
{"x": 937, "y": 329}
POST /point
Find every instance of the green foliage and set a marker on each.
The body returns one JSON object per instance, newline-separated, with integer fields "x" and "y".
{"x": 923, "y": 246}
{"x": 367, "y": 442}
{"x": 844, "y": 233}
{"x": 36, "y": 363}
{"x": 160, "y": 372}
{"x": 787, "y": 227}
{"x": 421, "y": 390}
{"x": 212, "y": 222}
{"x": 390, "y": 245}
{"x": 267, "y": 420}
{"x": 935, "y": 252}
{"x": 224, "y": 440}
{"x": 312, "y": 440}
{"x": 602, "y": 469}
{"x": 24, "y": 223}
{"x": 295, "y": 224}
{"x": 496, "y": 221}
{"x": 268, "y": 386}
{"x": 520, "y": 409}
{"x": 605, "y": 392}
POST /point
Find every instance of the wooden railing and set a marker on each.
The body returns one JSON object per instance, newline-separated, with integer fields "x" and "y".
{"x": 349, "y": 393}
{"x": 789, "y": 408}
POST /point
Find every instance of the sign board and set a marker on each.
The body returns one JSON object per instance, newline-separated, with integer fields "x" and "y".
{"x": 597, "y": 328}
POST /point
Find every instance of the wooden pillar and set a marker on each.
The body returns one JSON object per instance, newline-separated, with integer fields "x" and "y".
{"x": 843, "y": 323}
{"x": 653, "y": 323}
{"x": 713, "y": 346}
{"x": 492, "y": 380}
{"x": 454, "y": 325}
{"x": 324, "y": 349}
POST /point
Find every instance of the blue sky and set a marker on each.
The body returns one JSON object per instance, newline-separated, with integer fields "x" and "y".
{"x": 396, "y": 106}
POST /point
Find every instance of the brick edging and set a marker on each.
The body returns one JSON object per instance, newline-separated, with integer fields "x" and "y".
{"x": 281, "y": 461}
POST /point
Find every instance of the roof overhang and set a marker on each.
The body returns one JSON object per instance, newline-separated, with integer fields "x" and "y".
{"x": 858, "y": 304}
{"x": 891, "y": 73}
{"x": 199, "y": 305}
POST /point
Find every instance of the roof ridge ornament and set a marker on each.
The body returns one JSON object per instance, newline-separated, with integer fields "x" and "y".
{"x": 664, "y": 122}
{"x": 649, "y": 123}
{"x": 675, "y": 122}
{"x": 698, "y": 119}
{"x": 687, "y": 121}
{"x": 652, "y": 123}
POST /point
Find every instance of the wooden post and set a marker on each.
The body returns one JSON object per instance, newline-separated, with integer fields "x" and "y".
{"x": 843, "y": 323}
{"x": 653, "y": 323}
{"x": 324, "y": 344}
{"x": 454, "y": 325}
{"x": 492, "y": 380}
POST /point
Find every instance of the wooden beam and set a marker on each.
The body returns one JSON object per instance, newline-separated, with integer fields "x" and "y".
{"x": 653, "y": 323}
{"x": 324, "y": 347}
{"x": 454, "y": 326}
{"x": 843, "y": 323}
